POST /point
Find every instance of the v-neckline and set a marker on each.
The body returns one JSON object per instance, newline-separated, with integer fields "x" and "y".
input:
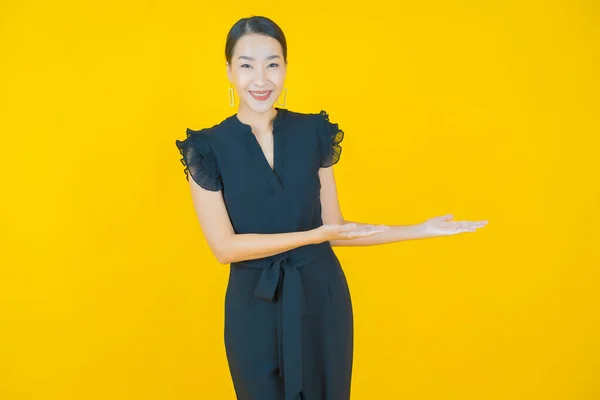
{"x": 275, "y": 173}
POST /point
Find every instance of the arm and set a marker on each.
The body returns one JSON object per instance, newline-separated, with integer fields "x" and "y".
{"x": 332, "y": 214}
{"x": 433, "y": 227}
{"x": 396, "y": 233}
{"x": 226, "y": 245}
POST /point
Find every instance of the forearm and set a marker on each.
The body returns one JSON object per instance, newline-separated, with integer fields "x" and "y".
{"x": 396, "y": 233}
{"x": 250, "y": 246}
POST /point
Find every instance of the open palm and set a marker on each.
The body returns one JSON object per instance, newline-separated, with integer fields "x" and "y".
{"x": 443, "y": 226}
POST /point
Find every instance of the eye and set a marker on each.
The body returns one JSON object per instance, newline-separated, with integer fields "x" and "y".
{"x": 243, "y": 65}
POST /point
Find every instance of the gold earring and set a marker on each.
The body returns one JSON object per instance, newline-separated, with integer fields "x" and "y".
{"x": 284, "y": 97}
{"x": 231, "y": 97}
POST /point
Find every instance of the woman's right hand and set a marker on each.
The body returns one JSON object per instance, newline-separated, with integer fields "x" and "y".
{"x": 349, "y": 230}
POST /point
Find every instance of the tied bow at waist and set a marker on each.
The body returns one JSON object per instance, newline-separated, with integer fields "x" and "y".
{"x": 280, "y": 276}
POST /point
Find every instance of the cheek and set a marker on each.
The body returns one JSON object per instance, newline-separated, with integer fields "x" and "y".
{"x": 242, "y": 80}
{"x": 277, "y": 75}
{"x": 279, "y": 78}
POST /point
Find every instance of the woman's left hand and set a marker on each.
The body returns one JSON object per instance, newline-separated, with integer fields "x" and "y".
{"x": 442, "y": 226}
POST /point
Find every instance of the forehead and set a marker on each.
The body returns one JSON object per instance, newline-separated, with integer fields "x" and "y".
{"x": 256, "y": 46}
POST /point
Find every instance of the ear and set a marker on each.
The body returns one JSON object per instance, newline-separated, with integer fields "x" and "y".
{"x": 228, "y": 68}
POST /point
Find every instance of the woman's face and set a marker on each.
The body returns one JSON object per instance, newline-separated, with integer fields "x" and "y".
{"x": 257, "y": 71}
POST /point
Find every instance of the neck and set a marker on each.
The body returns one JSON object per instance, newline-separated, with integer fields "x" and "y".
{"x": 261, "y": 121}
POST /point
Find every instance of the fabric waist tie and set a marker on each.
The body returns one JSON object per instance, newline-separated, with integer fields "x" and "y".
{"x": 280, "y": 271}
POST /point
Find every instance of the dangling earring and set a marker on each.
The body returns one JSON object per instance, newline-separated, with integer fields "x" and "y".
{"x": 231, "y": 97}
{"x": 284, "y": 97}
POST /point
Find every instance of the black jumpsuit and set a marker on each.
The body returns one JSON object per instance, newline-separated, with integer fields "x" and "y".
{"x": 288, "y": 317}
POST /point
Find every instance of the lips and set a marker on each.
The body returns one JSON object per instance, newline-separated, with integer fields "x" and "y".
{"x": 261, "y": 95}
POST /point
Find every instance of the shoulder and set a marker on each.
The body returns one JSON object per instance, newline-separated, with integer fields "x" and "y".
{"x": 198, "y": 158}
{"x": 299, "y": 116}
{"x": 329, "y": 135}
{"x": 198, "y": 143}
{"x": 208, "y": 132}
{"x": 316, "y": 118}
{"x": 311, "y": 121}
{"x": 215, "y": 136}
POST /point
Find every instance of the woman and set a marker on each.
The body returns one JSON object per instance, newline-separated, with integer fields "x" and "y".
{"x": 265, "y": 195}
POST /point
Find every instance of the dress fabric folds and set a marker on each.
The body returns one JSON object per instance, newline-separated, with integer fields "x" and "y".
{"x": 288, "y": 330}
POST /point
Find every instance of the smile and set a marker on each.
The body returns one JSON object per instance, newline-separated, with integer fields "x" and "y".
{"x": 261, "y": 96}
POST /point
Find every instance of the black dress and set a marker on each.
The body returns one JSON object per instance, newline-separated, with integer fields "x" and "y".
{"x": 288, "y": 317}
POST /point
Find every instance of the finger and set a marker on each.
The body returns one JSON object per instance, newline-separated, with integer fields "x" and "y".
{"x": 451, "y": 225}
{"x": 368, "y": 232}
{"x": 382, "y": 228}
{"x": 350, "y": 226}
{"x": 354, "y": 234}
{"x": 465, "y": 225}
{"x": 372, "y": 229}
{"x": 476, "y": 224}
{"x": 365, "y": 229}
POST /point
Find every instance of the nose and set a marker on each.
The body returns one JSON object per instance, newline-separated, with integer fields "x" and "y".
{"x": 259, "y": 78}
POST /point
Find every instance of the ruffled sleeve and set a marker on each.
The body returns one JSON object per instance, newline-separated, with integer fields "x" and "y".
{"x": 329, "y": 136}
{"x": 199, "y": 160}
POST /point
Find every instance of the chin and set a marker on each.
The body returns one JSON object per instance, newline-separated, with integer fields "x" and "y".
{"x": 260, "y": 107}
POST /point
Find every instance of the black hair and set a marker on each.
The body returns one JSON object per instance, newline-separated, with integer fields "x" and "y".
{"x": 254, "y": 24}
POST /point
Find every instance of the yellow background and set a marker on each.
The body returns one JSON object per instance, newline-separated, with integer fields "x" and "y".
{"x": 486, "y": 110}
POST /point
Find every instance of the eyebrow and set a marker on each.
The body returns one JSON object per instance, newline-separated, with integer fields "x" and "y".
{"x": 252, "y": 59}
